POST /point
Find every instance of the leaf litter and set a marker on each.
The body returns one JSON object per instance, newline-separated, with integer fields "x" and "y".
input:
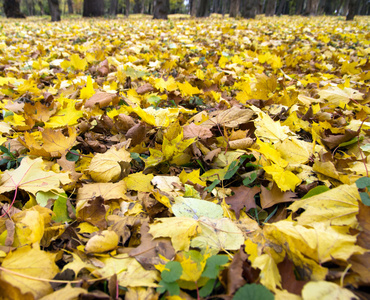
{"x": 191, "y": 158}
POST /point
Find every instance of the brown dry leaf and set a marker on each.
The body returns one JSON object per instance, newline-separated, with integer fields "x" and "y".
{"x": 363, "y": 239}
{"x": 136, "y": 134}
{"x": 198, "y": 131}
{"x": 289, "y": 280}
{"x": 230, "y": 118}
{"x": 92, "y": 211}
{"x": 102, "y": 99}
{"x": 275, "y": 196}
{"x": 147, "y": 254}
{"x": 145, "y": 88}
{"x": 332, "y": 141}
{"x": 243, "y": 197}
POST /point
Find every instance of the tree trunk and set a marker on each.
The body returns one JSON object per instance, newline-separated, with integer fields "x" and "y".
{"x": 270, "y": 8}
{"x": 202, "y": 8}
{"x": 137, "y": 6}
{"x": 299, "y": 7}
{"x": 234, "y": 8}
{"x": 194, "y": 7}
{"x": 42, "y": 12}
{"x": 160, "y": 9}
{"x": 30, "y": 7}
{"x": 54, "y": 10}
{"x": 223, "y": 9}
{"x": 142, "y": 6}
{"x": 70, "y": 7}
{"x": 249, "y": 8}
{"x": 12, "y": 9}
{"x": 281, "y": 8}
{"x": 113, "y": 7}
{"x": 352, "y": 9}
{"x": 127, "y": 8}
{"x": 93, "y": 8}
{"x": 311, "y": 7}
{"x": 343, "y": 10}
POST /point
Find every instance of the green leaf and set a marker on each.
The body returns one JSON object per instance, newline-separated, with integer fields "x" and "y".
{"x": 249, "y": 180}
{"x": 207, "y": 288}
{"x": 315, "y": 191}
{"x": 365, "y": 198}
{"x": 213, "y": 265}
{"x": 212, "y": 186}
{"x": 72, "y": 155}
{"x": 172, "y": 271}
{"x": 350, "y": 142}
{"x": 172, "y": 287}
{"x": 233, "y": 168}
{"x": 60, "y": 209}
{"x": 253, "y": 292}
{"x": 363, "y": 182}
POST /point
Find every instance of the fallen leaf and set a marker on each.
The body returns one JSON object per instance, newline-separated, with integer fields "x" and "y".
{"x": 31, "y": 177}
{"x": 104, "y": 241}
{"x": 112, "y": 165}
{"x": 275, "y": 196}
{"x": 30, "y": 261}
{"x": 243, "y": 197}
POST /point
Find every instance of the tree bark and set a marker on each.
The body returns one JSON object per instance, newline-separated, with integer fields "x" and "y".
{"x": 249, "y": 9}
{"x": 54, "y": 10}
{"x": 281, "y": 8}
{"x": 12, "y": 9}
{"x": 353, "y": 6}
{"x": 70, "y": 7}
{"x": 42, "y": 12}
{"x": 202, "y": 8}
{"x": 93, "y": 8}
{"x": 234, "y": 8}
{"x": 137, "y": 6}
{"x": 127, "y": 8}
{"x": 160, "y": 9}
{"x": 113, "y": 7}
{"x": 270, "y": 8}
{"x": 299, "y": 7}
{"x": 311, "y": 7}
{"x": 142, "y": 6}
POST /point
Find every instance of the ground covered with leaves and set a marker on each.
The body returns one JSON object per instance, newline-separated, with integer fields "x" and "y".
{"x": 186, "y": 159}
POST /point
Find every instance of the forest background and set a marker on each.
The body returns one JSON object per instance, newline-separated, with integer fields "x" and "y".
{"x": 195, "y": 8}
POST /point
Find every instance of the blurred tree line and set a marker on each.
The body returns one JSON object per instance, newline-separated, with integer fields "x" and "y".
{"x": 196, "y": 8}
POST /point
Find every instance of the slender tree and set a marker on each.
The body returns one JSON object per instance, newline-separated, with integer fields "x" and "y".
{"x": 70, "y": 6}
{"x": 54, "y": 10}
{"x": 93, "y": 8}
{"x": 161, "y": 9}
{"x": 270, "y": 8}
{"x": 113, "y": 7}
{"x": 234, "y": 8}
{"x": 127, "y": 8}
{"x": 353, "y": 7}
{"x": 12, "y": 9}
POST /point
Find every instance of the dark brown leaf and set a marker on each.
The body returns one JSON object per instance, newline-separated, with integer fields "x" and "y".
{"x": 243, "y": 197}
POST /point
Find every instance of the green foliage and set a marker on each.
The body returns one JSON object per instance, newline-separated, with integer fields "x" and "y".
{"x": 170, "y": 274}
{"x": 9, "y": 158}
{"x": 364, "y": 183}
{"x": 315, "y": 191}
{"x": 253, "y": 292}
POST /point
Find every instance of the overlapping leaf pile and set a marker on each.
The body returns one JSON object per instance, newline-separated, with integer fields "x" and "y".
{"x": 189, "y": 158}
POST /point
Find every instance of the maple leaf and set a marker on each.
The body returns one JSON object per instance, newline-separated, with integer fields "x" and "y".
{"x": 30, "y": 261}
{"x": 55, "y": 143}
{"x": 31, "y": 177}
{"x": 243, "y": 197}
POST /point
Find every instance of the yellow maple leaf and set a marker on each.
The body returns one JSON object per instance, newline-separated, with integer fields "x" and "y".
{"x": 78, "y": 63}
{"x": 31, "y": 177}
{"x": 269, "y": 276}
{"x": 88, "y": 91}
{"x": 139, "y": 182}
{"x": 193, "y": 176}
{"x": 30, "y": 261}
{"x": 179, "y": 229}
{"x": 187, "y": 89}
{"x": 285, "y": 180}
{"x": 66, "y": 116}
{"x": 169, "y": 84}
